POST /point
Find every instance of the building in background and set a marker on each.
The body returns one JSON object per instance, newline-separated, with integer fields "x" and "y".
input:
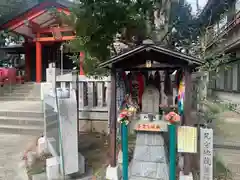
{"x": 221, "y": 20}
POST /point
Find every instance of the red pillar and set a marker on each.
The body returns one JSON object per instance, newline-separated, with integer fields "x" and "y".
{"x": 27, "y": 61}
{"x": 81, "y": 58}
{"x": 38, "y": 61}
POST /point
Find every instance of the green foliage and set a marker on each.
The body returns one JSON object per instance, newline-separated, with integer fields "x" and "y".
{"x": 211, "y": 115}
{"x": 185, "y": 24}
{"x": 220, "y": 170}
{"x": 99, "y": 24}
{"x": 7, "y": 8}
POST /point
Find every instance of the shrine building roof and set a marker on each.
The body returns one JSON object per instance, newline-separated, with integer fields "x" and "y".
{"x": 160, "y": 57}
{"x": 33, "y": 15}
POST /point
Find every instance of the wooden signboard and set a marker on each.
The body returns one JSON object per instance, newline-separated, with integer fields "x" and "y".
{"x": 187, "y": 139}
{"x": 148, "y": 127}
{"x": 206, "y": 154}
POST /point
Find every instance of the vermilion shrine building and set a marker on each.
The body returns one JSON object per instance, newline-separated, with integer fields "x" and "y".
{"x": 43, "y": 32}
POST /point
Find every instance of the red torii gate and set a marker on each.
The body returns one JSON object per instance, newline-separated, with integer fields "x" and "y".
{"x": 39, "y": 26}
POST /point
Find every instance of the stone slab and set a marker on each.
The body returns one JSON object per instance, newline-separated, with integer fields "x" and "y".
{"x": 150, "y": 139}
{"x": 144, "y": 169}
{"x": 150, "y": 154}
{"x": 41, "y": 176}
{"x": 150, "y": 159}
{"x": 185, "y": 177}
{"x": 139, "y": 178}
{"x": 68, "y": 126}
{"x": 150, "y": 100}
{"x": 162, "y": 171}
{"x": 113, "y": 173}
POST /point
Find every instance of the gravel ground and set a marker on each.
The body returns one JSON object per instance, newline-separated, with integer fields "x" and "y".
{"x": 228, "y": 137}
{"x": 11, "y": 149}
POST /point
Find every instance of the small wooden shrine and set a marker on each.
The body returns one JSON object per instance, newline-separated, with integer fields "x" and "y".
{"x": 149, "y": 58}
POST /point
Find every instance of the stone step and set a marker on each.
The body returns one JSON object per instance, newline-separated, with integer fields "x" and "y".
{"x": 22, "y": 95}
{"x": 20, "y": 113}
{"x": 17, "y": 87}
{"x": 19, "y": 98}
{"x": 16, "y": 93}
{"x": 24, "y": 85}
{"x": 26, "y": 130}
{"x": 23, "y": 90}
{"x": 5, "y": 120}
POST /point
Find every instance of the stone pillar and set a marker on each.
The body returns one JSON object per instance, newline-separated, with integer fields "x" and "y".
{"x": 51, "y": 75}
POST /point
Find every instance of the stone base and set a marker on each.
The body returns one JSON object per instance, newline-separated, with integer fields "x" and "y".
{"x": 150, "y": 158}
{"x": 181, "y": 162}
{"x": 81, "y": 161}
{"x": 52, "y": 168}
{"x": 113, "y": 173}
{"x": 185, "y": 177}
{"x": 41, "y": 176}
{"x": 120, "y": 157}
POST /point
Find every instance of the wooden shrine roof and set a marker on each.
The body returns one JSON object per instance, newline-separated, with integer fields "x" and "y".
{"x": 164, "y": 58}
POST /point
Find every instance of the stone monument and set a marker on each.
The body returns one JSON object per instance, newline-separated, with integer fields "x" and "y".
{"x": 73, "y": 161}
{"x": 150, "y": 158}
{"x": 150, "y": 103}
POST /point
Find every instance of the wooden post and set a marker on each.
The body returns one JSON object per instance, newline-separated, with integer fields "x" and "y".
{"x": 81, "y": 59}
{"x": 124, "y": 129}
{"x": 172, "y": 151}
{"x": 113, "y": 119}
{"x": 38, "y": 60}
{"x": 187, "y": 115}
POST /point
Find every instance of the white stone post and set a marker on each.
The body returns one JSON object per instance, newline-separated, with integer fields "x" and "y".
{"x": 51, "y": 75}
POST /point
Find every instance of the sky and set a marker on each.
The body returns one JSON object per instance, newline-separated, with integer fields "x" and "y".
{"x": 202, "y": 3}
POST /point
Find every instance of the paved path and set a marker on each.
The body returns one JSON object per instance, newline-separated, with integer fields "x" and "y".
{"x": 228, "y": 142}
{"x": 11, "y": 148}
